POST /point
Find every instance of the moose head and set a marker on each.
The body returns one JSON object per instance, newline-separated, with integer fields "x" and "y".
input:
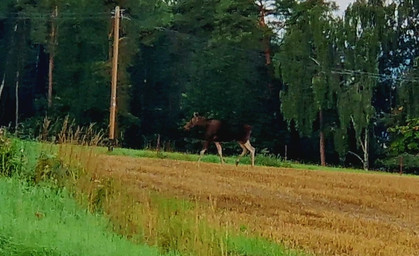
{"x": 196, "y": 120}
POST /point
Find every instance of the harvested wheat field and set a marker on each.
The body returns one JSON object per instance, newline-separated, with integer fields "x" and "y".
{"x": 325, "y": 213}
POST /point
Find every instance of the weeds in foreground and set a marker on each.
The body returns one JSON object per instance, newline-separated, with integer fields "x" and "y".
{"x": 64, "y": 130}
{"x": 11, "y": 158}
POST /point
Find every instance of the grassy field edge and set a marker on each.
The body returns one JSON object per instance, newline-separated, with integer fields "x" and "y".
{"x": 37, "y": 220}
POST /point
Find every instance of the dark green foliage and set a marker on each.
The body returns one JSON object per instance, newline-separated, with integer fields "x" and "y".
{"x": 81, "y": 65}
{"x": 231, "y": 44}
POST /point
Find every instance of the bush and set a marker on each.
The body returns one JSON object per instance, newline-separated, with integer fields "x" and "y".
{"x": 404, "y": 146}
{"x": 50, "y": 168}
{"x": 410, "y": 163}
{"x": 405, "y": 137}
{"x": 10, "y": 155}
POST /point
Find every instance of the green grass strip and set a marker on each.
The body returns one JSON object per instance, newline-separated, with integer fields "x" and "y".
{"x": 261, "y": 160}
{"x": 43, "y": 221}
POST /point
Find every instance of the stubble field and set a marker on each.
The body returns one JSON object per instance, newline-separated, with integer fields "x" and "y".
{"x": 320, "y": 212}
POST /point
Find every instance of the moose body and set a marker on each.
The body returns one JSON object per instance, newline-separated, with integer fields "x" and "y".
{"x": 218, "y": 131}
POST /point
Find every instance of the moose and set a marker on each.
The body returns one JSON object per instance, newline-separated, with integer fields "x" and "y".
{"x": 218, "y": 131}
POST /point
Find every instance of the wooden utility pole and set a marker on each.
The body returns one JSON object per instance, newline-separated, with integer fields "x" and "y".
{"x": 112, "y": 116}
{"x": 53, "y": 42}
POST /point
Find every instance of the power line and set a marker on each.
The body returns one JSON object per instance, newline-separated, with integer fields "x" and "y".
{"x": 374, "y": 75}
{"x": 62, "y": 16}
{"x": 62, "y": 13}
{"x": 57, "y": 18}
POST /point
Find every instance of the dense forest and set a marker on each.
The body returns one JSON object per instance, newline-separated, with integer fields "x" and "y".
{"x": 316, "y": 86}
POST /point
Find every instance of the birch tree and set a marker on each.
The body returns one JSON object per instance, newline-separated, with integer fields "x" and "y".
{"x": 307, "y": 56}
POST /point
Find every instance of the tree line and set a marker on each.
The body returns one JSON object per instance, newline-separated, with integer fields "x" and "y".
{"x": 316, "y": 86}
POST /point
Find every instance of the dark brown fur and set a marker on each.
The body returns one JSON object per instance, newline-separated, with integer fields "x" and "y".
{"x": 218, "y": 131}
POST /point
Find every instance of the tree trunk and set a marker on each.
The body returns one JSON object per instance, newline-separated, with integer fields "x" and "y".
{"x": 6, "y": 59}
{"x": 51, "y": 56}
{"x": 2, "y": 83}
{"x": 266, "y": 39}
{"x": 51, "y": 67}
{"x": 17, "y": 102}
{"x": 366, "y": 149}
{"x": 321, "y": 137}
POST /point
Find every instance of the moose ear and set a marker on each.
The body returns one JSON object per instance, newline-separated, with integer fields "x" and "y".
{"x": 195, "y": 114}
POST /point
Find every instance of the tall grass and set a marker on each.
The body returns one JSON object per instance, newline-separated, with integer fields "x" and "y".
{"x": 44, "y": 221}
{"x": 63, "y": 130}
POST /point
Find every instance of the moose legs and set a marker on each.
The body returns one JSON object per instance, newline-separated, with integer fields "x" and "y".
{"x": 242, "y": 154}
{"x": 246, "y": 147}
{"x": 252, "y": 151}
{"x": 202, "y": 152}
{"x": 220, "y": 151}
{"x": 205, "y": 147}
